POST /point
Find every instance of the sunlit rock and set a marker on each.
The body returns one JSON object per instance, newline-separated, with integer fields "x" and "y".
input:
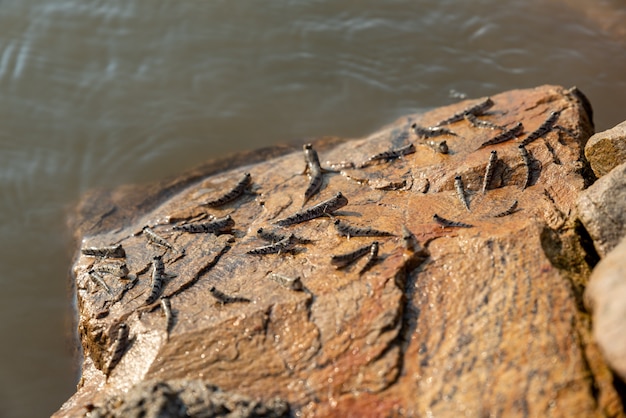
{"x": 602, "y": 209}
{"x": 606, "y": 297}
{"x": 440, "y": 320}
{"x": 606, "y": 150}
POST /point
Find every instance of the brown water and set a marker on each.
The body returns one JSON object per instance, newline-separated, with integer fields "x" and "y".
{"x": 102, "y": 93}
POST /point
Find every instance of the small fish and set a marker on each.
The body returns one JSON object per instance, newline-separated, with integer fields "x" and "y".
{"x": 430, "y": 132}
{"x": 158, "y": 275}
{"x": 389, "y": 155}
{"x": 460, "y": 191}
{"x": 285, "y": 245}
{"x": 232, "y": 194}
{"x": 545, "y": 127}
{"x": 274, "y": 237}
{"x": 270, "y": 236}
{"x": 342, "y": 260}
{"x": 477, "y": 123}
{"x": 156, "y": 239}
{"x": 446, "y": 223}
{"x": 316, "y": 173}
{"x": 224, "y": 298}
{"x": 158, "y": 268}
{"x": 217, "y": 226}
{"x": 491, "y": 166}
{"x": 505, "y": 136}
{"x": 119, "y": 270}
{"x": 372, "y": 258}
{"x": 311, "y": 158}
{"x": 355, "y": 231}
{"x": 321, "y": 209}
{"x": 117, "y": 348}
{"x": 476, "y": 110}
{"x": 99, "y": 280}
{"x": 112, "y": 251}
{"x": 341, "y": 165}
{"x": 507, "y": 212}
{"x": 291, "y": 283}
{"x": 440, "y": 147}
{"x": 409, "y": 240}
{"x": 527, "y": 162}
{"x": 169, "y": 318}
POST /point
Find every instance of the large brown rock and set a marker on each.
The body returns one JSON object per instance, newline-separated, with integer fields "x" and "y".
{"x": 480, "y": 321}
{"x": 607, "y": 149}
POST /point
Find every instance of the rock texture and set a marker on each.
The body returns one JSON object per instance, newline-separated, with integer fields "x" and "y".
{"x": 606, "y": 150}
{"x": 185, "y": 398}
{"x": 484, "y": 320}
{"x": 601, "y": 209}
{"x": 606, "y": 297}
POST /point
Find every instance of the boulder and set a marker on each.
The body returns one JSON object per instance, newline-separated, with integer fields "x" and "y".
{"x": 469, "y": 303}
{"x": 606, "y": 150}
{"x": 606, "y": 297}
{"x": 602, "y": 210}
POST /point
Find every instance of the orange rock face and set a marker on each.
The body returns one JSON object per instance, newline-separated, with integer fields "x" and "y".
{"x": 476, "y": 312}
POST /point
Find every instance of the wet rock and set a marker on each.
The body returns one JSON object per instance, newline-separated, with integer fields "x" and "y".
{"x": 442, "y": 321}
{"x": 602, "y": 209}
{"x": 606, "y": 150}
{"x": 606, "y": 297}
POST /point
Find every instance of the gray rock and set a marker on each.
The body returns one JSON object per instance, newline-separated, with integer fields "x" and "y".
{"x": 186, "y": 398}
{"x": 606, "y": 298}
{"x": 606, "y": 150}
{"x": 601, "y": 209}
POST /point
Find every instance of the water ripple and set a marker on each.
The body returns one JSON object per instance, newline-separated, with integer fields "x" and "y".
{"x": 6, "y": 58}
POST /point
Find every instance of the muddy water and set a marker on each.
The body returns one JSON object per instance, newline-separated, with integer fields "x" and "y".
{"x": 102, "y": 93}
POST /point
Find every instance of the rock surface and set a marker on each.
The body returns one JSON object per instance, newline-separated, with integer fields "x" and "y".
{"x": 188, "y": 399}
{"x": 606, "y": 297}
{"x": 607, "y": 149}
{"x": 478, "y": 321}
{"x": 602, "y": 207}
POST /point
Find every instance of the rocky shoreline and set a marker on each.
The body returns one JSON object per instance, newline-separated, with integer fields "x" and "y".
{"x": 472, "y": 302}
